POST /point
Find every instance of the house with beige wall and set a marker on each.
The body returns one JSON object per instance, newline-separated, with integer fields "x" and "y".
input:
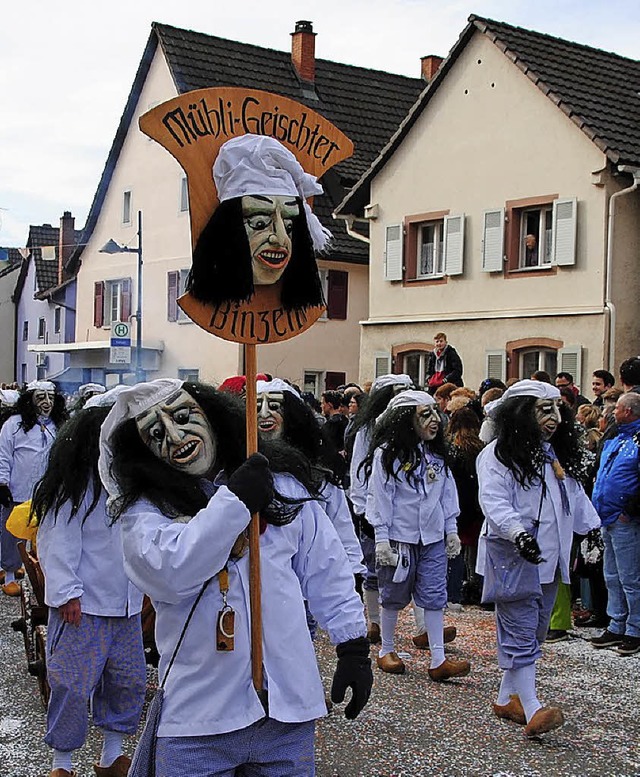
{"x": 140, "y": 177}
{"x": 505, "y": 212}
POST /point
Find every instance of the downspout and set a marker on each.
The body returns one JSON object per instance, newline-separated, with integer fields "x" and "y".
{"x": 610, "y": 308}
{"x": 348, "y": 223}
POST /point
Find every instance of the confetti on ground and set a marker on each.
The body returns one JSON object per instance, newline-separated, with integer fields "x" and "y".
{"x": 412, "y": 726}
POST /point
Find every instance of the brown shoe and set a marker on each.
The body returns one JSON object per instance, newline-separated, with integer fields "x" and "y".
{"x": 512, "y": 711}
{"x": 20, "y": 573}
{"x": 119, "y": 768}
{"x": 391, "y": 663}
{"x": 12, "y": 589}
{"x": 450, "y": 668}
{"x": 422, "y": 640}
{"x": 62, "y": 773}
{"x": 374, "y": 634}
{"x": 545, "y": 719}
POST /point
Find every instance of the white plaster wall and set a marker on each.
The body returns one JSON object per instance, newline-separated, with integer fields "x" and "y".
{"x": 489, "y": 135}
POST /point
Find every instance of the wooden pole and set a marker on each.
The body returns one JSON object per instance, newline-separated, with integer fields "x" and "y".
{"x": 254, "y": 527}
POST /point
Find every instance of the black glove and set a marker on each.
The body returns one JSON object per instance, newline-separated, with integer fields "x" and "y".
{"x": 252, "y": 483}
{"x": 6, "y": 500}
{"x": 595, "y": 541}
{"x": 353, "y": 671}
{"x": 528, "y": 547}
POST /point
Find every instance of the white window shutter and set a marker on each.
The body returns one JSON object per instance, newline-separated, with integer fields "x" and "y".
{"x": 393, "y": 253}
{"x": 493, "y": 240}
{"x": 453, "y": 244}
{"x": 564, "y": 232}
{"x": 496, "y": 365}
{"x": 570, "y": 360}
{"x": 382, "y": 364}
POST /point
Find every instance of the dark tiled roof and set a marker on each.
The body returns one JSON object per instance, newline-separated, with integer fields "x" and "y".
{"x": 46, "y": 269}
{"x": 12, "y": 257}
{"x": 599, "y": 91}
{"x": 43, "y": 235}
{"x": 367, "y": 105}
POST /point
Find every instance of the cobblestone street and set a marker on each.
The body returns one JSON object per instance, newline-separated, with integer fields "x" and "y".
{"x": 412, "y": 726}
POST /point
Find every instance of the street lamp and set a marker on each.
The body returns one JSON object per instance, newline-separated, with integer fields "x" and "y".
{"x": 111, "y": 247}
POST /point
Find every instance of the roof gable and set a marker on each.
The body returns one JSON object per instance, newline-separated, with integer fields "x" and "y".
{"x": 599, "y": 91}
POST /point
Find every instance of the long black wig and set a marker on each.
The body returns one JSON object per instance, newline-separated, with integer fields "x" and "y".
{"x": 401, "y": 446}
{"x": 141, "y": 475}
{"x": 73, "y": 466}
{"x": 221, "y": 270}
{"x": 519, "y": 442}
{"x": 27, "y": 410}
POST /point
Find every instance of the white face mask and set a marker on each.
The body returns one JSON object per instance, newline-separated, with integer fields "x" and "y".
{"x": 268, "y": 222}
{"x": 426, "y": 422}
{"x": 547, "y": 413}
{"x": 178, "y": 432}
{"x": 43, "y": 402}
{"x": 270, "y": 415}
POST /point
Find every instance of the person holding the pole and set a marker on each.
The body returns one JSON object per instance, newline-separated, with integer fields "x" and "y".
{"x": 173, "y": 462}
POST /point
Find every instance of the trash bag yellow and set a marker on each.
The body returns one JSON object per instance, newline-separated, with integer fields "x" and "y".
{"x": 18, "y": 522}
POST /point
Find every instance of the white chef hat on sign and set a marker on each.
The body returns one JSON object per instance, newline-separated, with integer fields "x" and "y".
{"x": 258, "y": 164}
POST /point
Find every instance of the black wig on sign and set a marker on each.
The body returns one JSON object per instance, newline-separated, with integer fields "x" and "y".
{"x": 141, "y": 475}
{"x": 221, "y": 269}
{"x": 400, "y": 444}
{"x": 26, "y": 408}
{"x": 73, "y": 466}
{"x": 519, "y": 442}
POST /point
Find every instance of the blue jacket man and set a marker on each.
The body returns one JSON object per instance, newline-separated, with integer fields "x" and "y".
{"x": 616, "y": 497}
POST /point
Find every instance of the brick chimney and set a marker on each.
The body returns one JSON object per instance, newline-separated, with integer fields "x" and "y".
{"x": 303, "y": 51}
{"x": 66, "y": 242}
{"x": 429, "y": 66}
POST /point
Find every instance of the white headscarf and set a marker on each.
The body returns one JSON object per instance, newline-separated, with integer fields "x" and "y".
{"x": 9, "y": 397}
{"x": 410, "y": 398}
{"x": 258, "y": 164}
{"x": 131, "y": 402}
{"x": 88, "y": 388}
{"x": 41, "y": 385}
{"x": 107, "y": 398}
{"x": 277, "y": 385}
{"x": 531, "y": 388}
{"x": 382, "y": 381}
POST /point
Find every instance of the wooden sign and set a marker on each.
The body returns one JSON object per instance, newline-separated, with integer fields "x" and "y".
{"x": 192, "y": 127}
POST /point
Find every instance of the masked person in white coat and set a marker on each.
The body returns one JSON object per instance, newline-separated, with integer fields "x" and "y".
{"x": 184, "y": 539}
{"x": 530, "y": 493}
{"x": 414, "y": 506}
{"x": 95, "y": 655}
{"x": 25, "y": 441}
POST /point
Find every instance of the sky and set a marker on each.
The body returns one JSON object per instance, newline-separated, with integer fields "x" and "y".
{"x": 66, "y": 68}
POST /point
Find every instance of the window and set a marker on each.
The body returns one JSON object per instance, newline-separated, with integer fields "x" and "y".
{"x": 538, "y": 359}
{"x": 535, "y": 237}
{"x": 430, "y": 257}
{"x": 184, "y": 195}
{"x": 57, "y": 320}
{"x": 23, "y": 373}
{"x": 126, "y": 206}
{"x": 540, "y": 234}
{"x": 176, "y": 287}
{"x": 382, "y": 365}
{"x": 414, "y": 364}
{"x": 190, "y": 375}
{"x": 312, "y": 382}
{"x": 333, "y": 380}
{"x": 42, "y": 328}
{"x": 335, "y": 288}
{"x": 434, "y": 246}
{"x": 111, "y": 301}
{"x": 25, "y": 331}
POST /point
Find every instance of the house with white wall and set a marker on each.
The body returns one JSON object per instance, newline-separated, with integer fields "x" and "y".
{"x": 141, "y": 178}
{"x": 505, "y": 211}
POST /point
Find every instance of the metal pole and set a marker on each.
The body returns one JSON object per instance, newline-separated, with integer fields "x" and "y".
{"x": 139, "y": 370}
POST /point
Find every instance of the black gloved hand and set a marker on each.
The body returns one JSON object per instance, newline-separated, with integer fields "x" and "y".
{"x": 6, "y": 500}
{"x": 252, "y": 483}
{"x": 353, "y": 671}
{"x": 595, "y": 541}
{"x": 528, "y": 547}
